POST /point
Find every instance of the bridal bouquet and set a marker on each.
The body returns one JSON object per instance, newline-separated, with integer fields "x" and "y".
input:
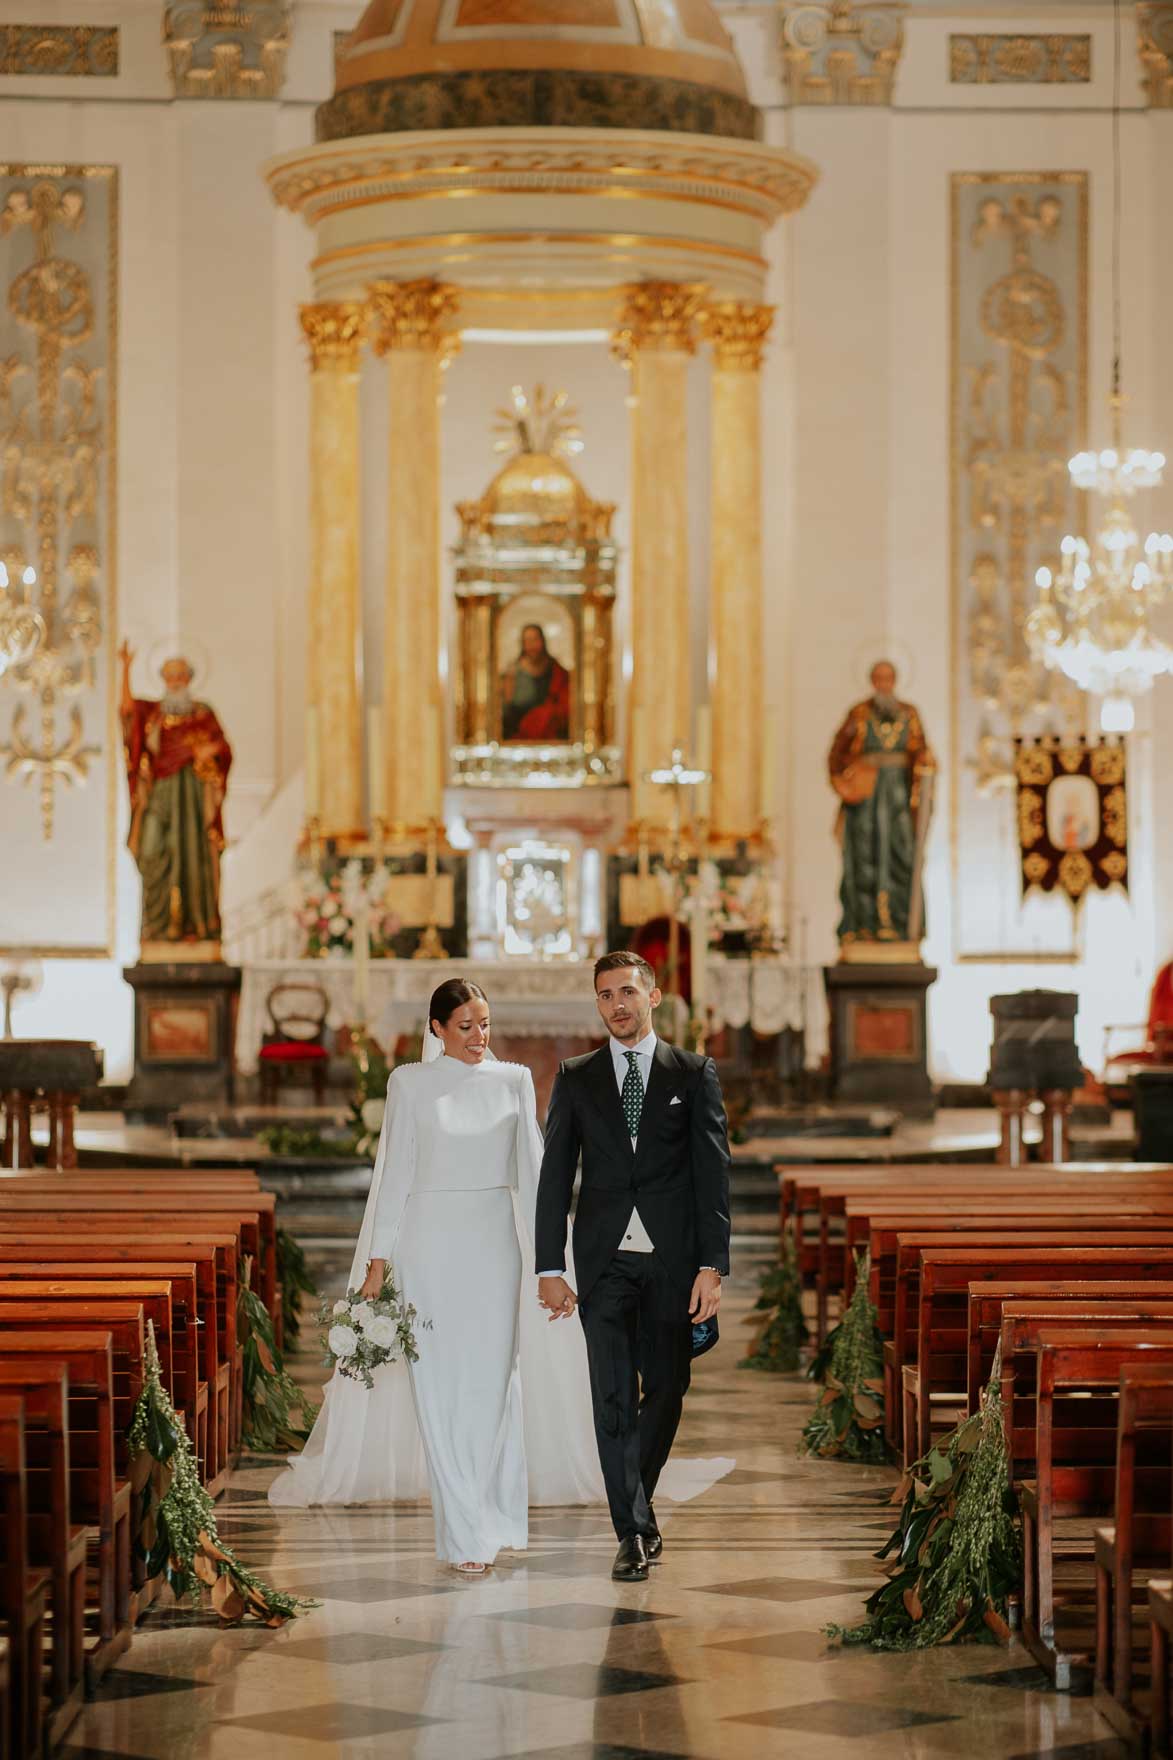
{"x": 360, "y": 1334}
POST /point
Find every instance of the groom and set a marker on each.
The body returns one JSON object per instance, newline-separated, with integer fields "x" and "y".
{"x": 651, "y": 1235}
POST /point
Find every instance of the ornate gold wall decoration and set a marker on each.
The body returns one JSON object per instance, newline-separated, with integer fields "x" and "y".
{"x": 1072, "y": 816}
{"x": 1054, "y": 59}
{"x": 227, "y": 48}
{"x": 59, "y": 51}
{"x": 841, "y": 53}
{"x": 1019, "y": 375}
{"x": 56, "y": 421}
{"x": 1155, "y": 45}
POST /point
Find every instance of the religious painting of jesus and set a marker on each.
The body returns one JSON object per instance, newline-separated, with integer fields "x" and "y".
{"x": 535, "y": 684}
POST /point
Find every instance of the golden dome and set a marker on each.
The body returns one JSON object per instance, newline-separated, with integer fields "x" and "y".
{"x": 535, "y": 498}
{"x": 427, "y": 64}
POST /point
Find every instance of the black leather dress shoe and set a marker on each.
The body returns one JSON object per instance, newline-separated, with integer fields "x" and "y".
{"x": 653, "y": 1545}
{"x": 631, "y": 1561}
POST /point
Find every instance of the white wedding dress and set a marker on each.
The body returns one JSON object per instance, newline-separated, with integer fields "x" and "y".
{"x": 496, "y": 1414}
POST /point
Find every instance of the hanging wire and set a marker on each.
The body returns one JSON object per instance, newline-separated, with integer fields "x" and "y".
{"x": 1116, "y": 29}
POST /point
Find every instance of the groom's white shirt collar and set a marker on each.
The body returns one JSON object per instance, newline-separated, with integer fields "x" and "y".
{"x": 645, "y": 1049}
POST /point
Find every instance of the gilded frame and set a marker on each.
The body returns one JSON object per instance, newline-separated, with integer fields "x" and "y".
{"x": 106, "y": 950}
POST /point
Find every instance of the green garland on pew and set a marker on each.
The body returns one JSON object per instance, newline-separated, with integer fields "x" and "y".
{"x": 174, "y": 1525}
{"x": 296, "y": 1284}
{"x": 777, "y": 1316}
{"x": 848, "y": 1422}
{"x": 956, "y": 1552}
{"x": 271, "y": 1396}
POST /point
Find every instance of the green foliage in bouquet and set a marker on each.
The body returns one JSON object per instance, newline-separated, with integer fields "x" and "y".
{"x": 780, "y": 1328}
{"x": 271, "y": 1396}
{"x": 293, "y": 1276}
{"x": 956, "y": 1553}
{"x": 173, "y": 1522}
{"x": 848, "y": 1422}
{"x": 360, "y": 1334}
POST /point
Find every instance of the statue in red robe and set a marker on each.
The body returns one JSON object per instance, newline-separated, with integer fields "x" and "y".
{"x": 177, "y": 763}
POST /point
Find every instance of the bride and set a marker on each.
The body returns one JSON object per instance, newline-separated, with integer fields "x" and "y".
{"x": 451, "y": 1207}
{"x": 496, "y": 1414}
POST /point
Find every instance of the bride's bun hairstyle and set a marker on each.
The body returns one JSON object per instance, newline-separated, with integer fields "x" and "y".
{"x": 452, "y": 994}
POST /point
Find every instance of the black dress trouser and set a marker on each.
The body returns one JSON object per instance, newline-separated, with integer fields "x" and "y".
{"x": 637, "y": 1332}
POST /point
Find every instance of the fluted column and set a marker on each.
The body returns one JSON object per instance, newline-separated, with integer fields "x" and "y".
{"x": 412, "y": 328}
{"x": 334, "y": 332}
{"x": 655, "y": 338}
{"x": 737, "y": 332}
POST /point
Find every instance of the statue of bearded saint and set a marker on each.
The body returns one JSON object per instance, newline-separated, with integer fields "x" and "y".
{"x": 177, "y": 762}
{"x": 882, "y": 769}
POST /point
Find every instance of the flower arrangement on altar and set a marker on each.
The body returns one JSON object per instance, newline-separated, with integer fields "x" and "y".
{"x": 329, "y": 909}
{"x": 730, "y": 911}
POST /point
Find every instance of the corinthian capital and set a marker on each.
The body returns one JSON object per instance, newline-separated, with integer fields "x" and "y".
{"x": 334, "y": 331}
{"x": 839, "y": 52}
{"x": 738, "y": 332}
{"x": 413, "y": 314}
{"x": 657, "y": 314}
{"x": 1155, "y": 44}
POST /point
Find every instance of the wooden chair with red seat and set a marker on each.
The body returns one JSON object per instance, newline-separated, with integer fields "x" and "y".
{"x": 296, "y": 1044}
{"x": 1157, "y": 1044}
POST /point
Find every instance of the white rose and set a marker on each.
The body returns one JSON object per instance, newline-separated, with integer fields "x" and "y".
{"x": 383, "y": 1332}
{"x": 361, "y": 1316}
{"x": 340, "y": 928}
{"x": 372, "y": 1115}
{"x": 329, "y": 905}
{"x": 341, "y": 1306}
{"x": 343, "y": 1341}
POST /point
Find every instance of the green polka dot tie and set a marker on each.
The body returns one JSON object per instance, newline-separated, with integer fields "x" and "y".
{"x": 632, "y": 1094}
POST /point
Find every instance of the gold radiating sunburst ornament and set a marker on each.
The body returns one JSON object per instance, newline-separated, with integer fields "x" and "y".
{"x": 538, "y": 423}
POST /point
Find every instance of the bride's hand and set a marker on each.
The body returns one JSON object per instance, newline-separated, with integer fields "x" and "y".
{"x": 557, "y": 1297}
{"x": 372, "y": 1288}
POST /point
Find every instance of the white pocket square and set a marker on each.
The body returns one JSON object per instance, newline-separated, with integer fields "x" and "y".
{"x": 675, "y": 1100}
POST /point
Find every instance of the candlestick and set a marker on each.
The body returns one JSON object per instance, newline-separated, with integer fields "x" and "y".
{"x": 376, "y": 774}
{"x": 362, "y": 959}
{"x": 433, "y": 785}
{"x": 313, "y": 766}
{"x": 769, "y": 761}
{"x": 704, "y": 761}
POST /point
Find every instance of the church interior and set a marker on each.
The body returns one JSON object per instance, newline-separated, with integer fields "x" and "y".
{"x": 489, "y": 482}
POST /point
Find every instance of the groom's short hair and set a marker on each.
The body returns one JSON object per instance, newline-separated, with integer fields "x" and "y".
{"x": 621, "y": 961}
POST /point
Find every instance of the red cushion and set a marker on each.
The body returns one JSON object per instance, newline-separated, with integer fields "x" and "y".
{"x": 293, "y": 1051}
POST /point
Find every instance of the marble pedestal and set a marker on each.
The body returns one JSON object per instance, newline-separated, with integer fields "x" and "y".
{"x": 879, "y": 1040}
{"x": 184, "y": 1036}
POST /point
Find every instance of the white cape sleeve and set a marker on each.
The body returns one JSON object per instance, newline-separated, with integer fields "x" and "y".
{"x": 365, "y": 1447}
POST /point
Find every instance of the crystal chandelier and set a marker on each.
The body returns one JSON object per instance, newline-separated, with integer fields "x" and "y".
{"x": 21, "y": 628}
{"x": 1093, "y": 620}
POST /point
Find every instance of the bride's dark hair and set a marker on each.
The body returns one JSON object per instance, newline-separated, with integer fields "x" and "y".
{"x": 448, "y": 997}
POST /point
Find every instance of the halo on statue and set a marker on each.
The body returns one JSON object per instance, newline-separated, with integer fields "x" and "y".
{"x": 166, "y": 648}
{"x": 882, "y": 647}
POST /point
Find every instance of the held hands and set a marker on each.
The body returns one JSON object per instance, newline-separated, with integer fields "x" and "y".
{"x": 706, "y": 1296}
{"x": 557, "y": 1297}
{"x": 372, "y": 1287}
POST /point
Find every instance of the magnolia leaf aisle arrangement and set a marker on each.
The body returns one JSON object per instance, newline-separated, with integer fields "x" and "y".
{"x": 848, "y": 1422}
{"x": 780, "y": 1328}
{"x": 271, "y": 1396}
{"x": 173, "y": 1521}
{"x": 297, "y": 1286}
{"x": 956, "y": 1554}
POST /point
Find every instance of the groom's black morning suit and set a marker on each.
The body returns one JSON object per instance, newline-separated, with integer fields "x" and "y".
{"x": 674, "y": 1181}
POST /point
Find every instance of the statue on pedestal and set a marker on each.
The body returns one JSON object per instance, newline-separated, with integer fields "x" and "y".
{"x": 177, "y": 762}
{"x": 882, "y": 769}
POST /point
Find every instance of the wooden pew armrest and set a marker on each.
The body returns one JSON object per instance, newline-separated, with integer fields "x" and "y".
{"x": 1161, "y": 1602}
{"x": 1105, "y": 1539}
{"x": 1028, "y": 1496}
{"x": 910, "y": 1378}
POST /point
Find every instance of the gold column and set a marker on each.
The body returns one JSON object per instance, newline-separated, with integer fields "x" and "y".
{"x": 334, "y": 332}
{"x": 655, "y": 338}
{"x": 410, "y": 329}
{"x": 738, "y": 334}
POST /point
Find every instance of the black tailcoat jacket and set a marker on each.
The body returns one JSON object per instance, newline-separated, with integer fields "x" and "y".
{"x": 677, "y": 1173}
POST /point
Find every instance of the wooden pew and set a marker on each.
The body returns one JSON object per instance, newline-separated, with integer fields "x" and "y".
{"x": 1140, "y": 1536}
{"x": 1075, "y": 1470}
{"x": 223, "y": 1354}
{"x": 1160, "y": 1597}
{"x": 100, "y": 1496}
{"x": 907, "y": 1248}
{"x": 190, "y": 1298}
{"x": 22, "y": 1590}
{"x": 55, "y": 1543}
{"x": 988, "y": 1303}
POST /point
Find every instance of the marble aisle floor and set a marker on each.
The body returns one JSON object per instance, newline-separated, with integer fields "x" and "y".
{"x": 719, "y": 1656}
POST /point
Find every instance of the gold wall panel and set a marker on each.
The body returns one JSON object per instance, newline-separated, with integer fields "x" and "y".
{"x": 59, "y": 51}
{"x": 1019, "y": 287}
{"x": 60, "y": 754}
{"x": 1054, "y": 59}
